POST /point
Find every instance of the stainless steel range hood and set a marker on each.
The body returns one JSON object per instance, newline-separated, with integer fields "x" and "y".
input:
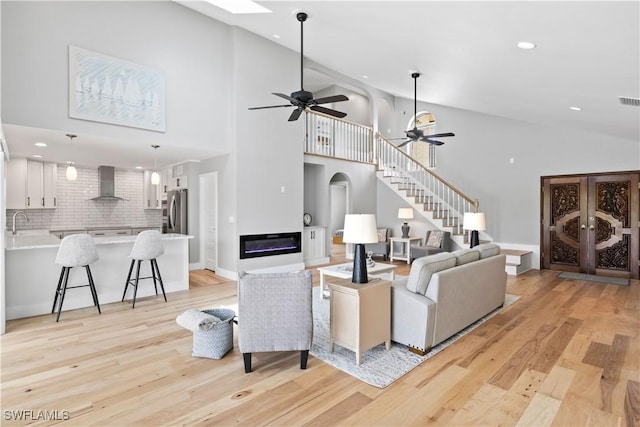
{"x": 106, "y": 183}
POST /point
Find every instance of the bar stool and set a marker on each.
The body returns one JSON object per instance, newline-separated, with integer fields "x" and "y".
{"x": 76, "y": 250}
{"x": 148, "y": 246}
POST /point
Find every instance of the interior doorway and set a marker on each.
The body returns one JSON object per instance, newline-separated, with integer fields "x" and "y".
{"x": 339, "y": 207}
{"x": 209, "y": 220}
{"x": 590, "y": 224}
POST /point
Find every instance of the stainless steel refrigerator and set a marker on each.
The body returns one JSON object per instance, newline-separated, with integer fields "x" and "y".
{"x": 177, "y": 211}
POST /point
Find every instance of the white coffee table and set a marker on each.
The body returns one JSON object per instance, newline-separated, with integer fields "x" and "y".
{"x": 345, "y": 271}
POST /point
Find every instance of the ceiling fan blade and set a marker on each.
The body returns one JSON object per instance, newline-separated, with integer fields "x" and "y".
{"x": 330, "y": 99}
{"x": 295, "y": 114}
{"x": 328, "y": 111}
{"x": 440, "y": 135}
{"x": 270, "y": 106}
{"x": 287, "y": 97}
{"x": 432, "y": 141}
{"x": 405, "y": 142}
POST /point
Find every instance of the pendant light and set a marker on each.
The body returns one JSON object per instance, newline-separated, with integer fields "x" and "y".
{"x": 71, "y": 172}
{"x": 155, "y": 176}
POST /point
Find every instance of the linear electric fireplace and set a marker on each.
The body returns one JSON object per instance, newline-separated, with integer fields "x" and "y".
{"x": 259, "y": 245}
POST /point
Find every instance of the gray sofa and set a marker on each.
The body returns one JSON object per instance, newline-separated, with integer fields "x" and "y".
{"x": 382, "y": 247}
{"x": 436, "y": 241}
{"x": 446, "y": 292}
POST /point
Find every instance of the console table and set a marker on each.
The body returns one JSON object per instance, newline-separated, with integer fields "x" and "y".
{"x": 405, "y": 248}
{"x": 360, "y": 314}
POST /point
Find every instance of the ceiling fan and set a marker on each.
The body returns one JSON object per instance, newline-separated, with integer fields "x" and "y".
{"x": 416, "y": 134}
{"x": 302, "y": 98}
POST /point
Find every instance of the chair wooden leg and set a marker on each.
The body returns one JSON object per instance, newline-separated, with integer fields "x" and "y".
{"x": 55, "y": 298}
{"x": 247, "y": 362}
{"x": 304, "y": 356}
{"x": 155, "y": 263}
{"x": 126, "y": 285}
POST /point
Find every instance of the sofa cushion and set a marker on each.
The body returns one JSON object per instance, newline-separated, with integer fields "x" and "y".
{"x": 487, "y": 250}
{"x": 464, "y": 256}
{"x": 423, "y": 268}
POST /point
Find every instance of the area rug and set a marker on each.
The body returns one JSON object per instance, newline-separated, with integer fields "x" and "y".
{"x": 378, "y": 366}
{"x": 594, "y": 278}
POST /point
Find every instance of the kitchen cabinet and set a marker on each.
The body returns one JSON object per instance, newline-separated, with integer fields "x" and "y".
{"x": 137, "y": 230}
{"x": 151, "y": 192}
{"x": 110, "y": 232}
{"x": 61, "y": 234}
{"x": 314, "y": 247}
{"x": 31, "y": 184}
{"x": 179, "y": 182}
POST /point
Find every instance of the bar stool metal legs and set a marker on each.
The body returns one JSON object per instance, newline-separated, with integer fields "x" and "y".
{"x": 62, "y": 290}
{"x": 155, "y": 275}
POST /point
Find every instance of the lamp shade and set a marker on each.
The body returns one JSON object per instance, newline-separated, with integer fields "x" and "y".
{"x": 474, "y": 221}
{"x": 71, "y": 173}
{"x": 405, "y": 213}
{"x": 155, "y": 178}
{"x": 360, "y": 228}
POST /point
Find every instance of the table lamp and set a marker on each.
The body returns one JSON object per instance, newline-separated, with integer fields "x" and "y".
{"x": 360, "y": 229}
{"x": 474, "y": 221}
{"x": 405, "y": 213}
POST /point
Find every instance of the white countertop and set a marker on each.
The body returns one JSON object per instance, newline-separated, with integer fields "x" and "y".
{"x": 50, "y": 241}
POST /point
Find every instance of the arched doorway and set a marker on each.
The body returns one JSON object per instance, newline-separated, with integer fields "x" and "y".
{"x": 423, "y": 152}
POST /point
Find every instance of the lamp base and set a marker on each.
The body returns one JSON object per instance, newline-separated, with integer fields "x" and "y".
{"x": 475, "y": 239}
{"x": 359, "y": 265}
{"x": 405, "y": 231}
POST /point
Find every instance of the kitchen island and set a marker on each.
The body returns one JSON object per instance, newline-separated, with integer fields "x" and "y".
{"x": 31, "y": 275}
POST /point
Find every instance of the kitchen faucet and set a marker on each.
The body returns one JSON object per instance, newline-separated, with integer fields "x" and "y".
{"x": 14, "y": 220}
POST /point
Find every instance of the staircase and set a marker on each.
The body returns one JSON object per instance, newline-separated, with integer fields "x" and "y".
{"x": 437, "y": 200}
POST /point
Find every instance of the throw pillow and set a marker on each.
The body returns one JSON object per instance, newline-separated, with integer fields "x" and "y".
{"x": 465, "y": 256}
{"x": 423, "y": 268}
{"x": 487, "y": 250}
{"x": 382, "y": 235}
{"x": 435, "y": 239}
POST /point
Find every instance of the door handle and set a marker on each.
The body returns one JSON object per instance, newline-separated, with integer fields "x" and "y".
{"x": 591, "y": 227}
{"x": 583, "y": 227}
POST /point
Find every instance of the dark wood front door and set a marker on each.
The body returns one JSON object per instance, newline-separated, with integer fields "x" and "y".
{"x": 590, "y": 224}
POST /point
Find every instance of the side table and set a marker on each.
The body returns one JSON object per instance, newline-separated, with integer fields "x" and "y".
{"x": 405, "y": 247}
{"x": 360, "y": 314}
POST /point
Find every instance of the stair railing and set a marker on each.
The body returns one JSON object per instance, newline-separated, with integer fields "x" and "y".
{"x": 331, "y": 137}
{"x": 435, "y": 193}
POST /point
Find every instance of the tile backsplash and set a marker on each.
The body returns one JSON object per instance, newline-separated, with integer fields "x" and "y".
{"x": 76, "y": 210}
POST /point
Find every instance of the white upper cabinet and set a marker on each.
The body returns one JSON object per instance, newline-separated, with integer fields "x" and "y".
{"x": 31, "y": 184}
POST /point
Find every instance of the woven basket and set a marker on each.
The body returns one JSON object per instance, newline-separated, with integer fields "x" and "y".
{"x": 217, "y": 341}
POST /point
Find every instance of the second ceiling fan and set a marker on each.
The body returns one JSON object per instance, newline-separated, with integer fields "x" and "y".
{"x": 416, "y": 134}
{"x": 302, "y": 98}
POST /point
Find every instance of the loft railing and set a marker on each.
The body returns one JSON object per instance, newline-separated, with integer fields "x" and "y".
{"x": 331, "y": 137}
{"x": 437, "y": 194}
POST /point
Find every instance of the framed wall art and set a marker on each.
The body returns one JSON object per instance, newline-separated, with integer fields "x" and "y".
{"x": 110, "y": 90}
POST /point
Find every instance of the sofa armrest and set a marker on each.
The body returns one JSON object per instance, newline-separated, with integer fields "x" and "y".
{"x": 412, "y": 317}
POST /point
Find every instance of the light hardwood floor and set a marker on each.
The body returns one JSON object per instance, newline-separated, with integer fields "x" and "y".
{"x": 567, "y": 353}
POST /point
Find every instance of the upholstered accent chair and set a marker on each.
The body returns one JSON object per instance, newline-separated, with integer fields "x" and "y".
{"x": 382, "y": 247}
{"x": 435, "y": 242}
{"x": 275, "y": 314}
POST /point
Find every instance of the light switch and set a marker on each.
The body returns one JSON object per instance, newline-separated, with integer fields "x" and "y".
{"x": 232, "y": 220}
{"x": 282, "y": 189}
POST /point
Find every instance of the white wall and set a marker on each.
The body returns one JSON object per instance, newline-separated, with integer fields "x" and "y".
{"x": 192, "y": 50}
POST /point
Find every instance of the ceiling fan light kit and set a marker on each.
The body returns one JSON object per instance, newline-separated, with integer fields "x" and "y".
{"x": 303, "y": 99}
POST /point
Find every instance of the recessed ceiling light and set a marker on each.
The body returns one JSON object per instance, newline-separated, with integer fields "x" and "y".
{"x": 138, "y": 167}
{"x": 239, "y": 6}
{"x": 275, "y": 36}
{"x": 526, "y": 45}
{"x": 575, "y": 108}
{"x": 365, "y": 77}
{"x": 40, "y": 144}
{"x": 37, "y": 156}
